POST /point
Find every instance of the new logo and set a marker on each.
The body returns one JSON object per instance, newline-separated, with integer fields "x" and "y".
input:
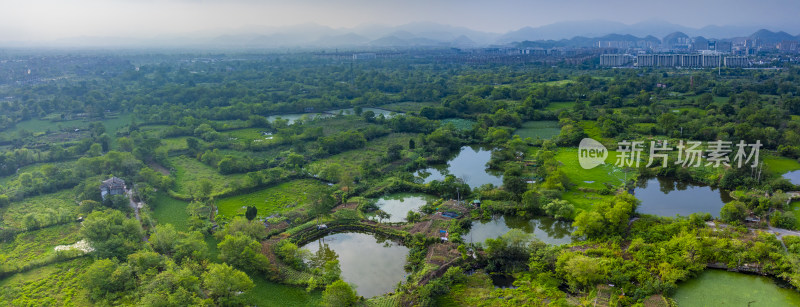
{"x": 591, "y": 153}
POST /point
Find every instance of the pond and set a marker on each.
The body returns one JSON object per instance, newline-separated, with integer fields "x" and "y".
{"x": 793, "y": 176}
{"x": 545, "y": 229}
{"x": 398, "y": 205}
{"x": 350, "y": 111}
{"x": 543, "y": 129}
{"x": 502, "y": 281}
{"x": 723, "y": 288}
{"x": 374, "y": 266}
{"x": 469, "y": 164}
{"x": 668, "y": 197}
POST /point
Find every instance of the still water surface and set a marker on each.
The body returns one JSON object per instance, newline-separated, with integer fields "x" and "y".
{"x": 398, "y": 204}
{"x": 667, "y": 197}
{"x": 723, "y": 288}
{"x": 545, "y": 229}
{"x": 374, "y": 266}
{"x": 469, "y": 164}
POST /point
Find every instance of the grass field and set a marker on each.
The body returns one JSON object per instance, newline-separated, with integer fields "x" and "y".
{"x": 584, "y": 200}
{"x": 178, "y": 143}
{"x": 335, "y": 124}
{"x": 280, "y": 198}
{"x": 153, "y": 128}
{"x": 544, "y": 129}
{"x": 794, "y": 207}
{"x": 681, "y": 110}
{"x": 459, "y": 123}
{"x": 57, "y": 284}
{"x": 6, "y": 181}
{"x": 781, "y": 165}
{"x": 606, "y": 173}
{"x": 271, "y": 294}
{"x": 475, "y": 289}
{"x": 593, "y": 131}
{"x": 408, "y": 106}
{"x": 42, "y": 205}
{"x": 555, "y": 106}
{"x": 247, "y": 134}
{"x": 350, "y": 161}
{"x": 168, "y": 210}
{"x": 40, "y": 126}
{"x": 189, "y": 172}
{"x": 557, "y": 83}
{"x": 594, "y": 178}
{"x": 36, "y": 245}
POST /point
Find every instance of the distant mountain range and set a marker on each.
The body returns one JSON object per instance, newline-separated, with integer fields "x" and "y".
{"x": 426, "y": 34}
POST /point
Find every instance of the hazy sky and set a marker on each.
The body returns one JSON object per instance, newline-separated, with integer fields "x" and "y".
{"x": 51, "y": 19}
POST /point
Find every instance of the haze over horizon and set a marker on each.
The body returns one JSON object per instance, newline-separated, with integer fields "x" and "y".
{"x": 42, "y": 20}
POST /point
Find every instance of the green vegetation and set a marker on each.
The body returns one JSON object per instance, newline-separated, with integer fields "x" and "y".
{"x": 349, "y": 162}
{"x": 41, "y": 211}
{"x": 271, "y": 294}
{"x": 53, "y": 285}
{"x": 284, "y": 197}
{"x": 167, "y": 210}
{"x": 781, "y": 165}
{"x": 222, "y": 195}
{"x": 189, "y": 172}
{"x": 544, "y": 130}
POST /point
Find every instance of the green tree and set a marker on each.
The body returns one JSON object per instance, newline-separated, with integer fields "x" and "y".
{"x": 734, "y": 211}
{"x": 559, "y": 209}
{"x": 580, "y": 271}
{"x": 251, "y": 212}
{"x": 224, "y": 283}
{"x": 667, "y": 122}
{"x": 163, "y": 239}
{"x": 95, "y": 150}
{"x": 413, "y": 217}
{"x": 4, "y": 200}
{"x": 239, "y": 225}
{"x": 105, "y": 279}
{"x": 125, "y": 144}
{"x": 193, "y": 145}
{"x": 382, "y": 215}
{"x": 339, "y": 294}
{"x": 111, "y": 234}
{"x": 243, "y": 253}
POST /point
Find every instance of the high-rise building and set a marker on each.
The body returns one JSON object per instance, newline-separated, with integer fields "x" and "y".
{"x": 691, "y": 60}
{"x": 711, "y": 60}
{"x": 645, "y": 60}
{"x": 736, "y": 61}
{"x": 712, "y": 45}
{"x": 615, "y": 60}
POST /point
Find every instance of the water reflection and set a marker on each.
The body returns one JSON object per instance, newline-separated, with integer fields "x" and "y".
{"x": 793, "y": 176}
{"x": 545, "y": 229}
{"x": 398, "y": 204}
{"x": 668, "y": 197}
{"x": 373, "y": 264}
{"x": 469, "y": 164}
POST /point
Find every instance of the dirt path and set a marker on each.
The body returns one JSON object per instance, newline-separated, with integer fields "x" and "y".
{"x": 133, "y": 205}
